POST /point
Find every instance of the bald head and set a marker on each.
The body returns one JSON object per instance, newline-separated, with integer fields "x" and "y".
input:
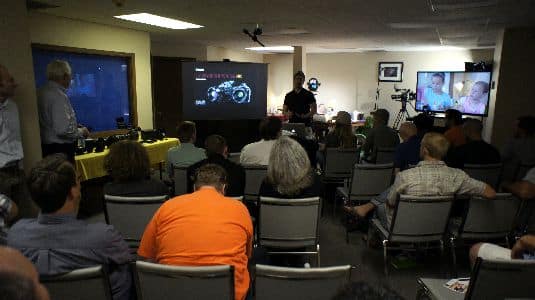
{"x": 472, "y": 129}
{"x": 406, "y": 130}
{"x": 15, "y": 269}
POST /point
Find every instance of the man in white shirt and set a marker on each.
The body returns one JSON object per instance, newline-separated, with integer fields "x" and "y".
{"x": 257, "y": 153}
{"x": 59, "y": 127}
{"x": 12, "y": 179}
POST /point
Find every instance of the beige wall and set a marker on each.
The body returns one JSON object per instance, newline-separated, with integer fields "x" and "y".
{"x": 280, "y": 68}
{"x": 52, "y": 30}
{"x": 178, "y": 50}
{"x": 219, "y": 53}
{"x": 15, "y": 54}
{"x": 515, "y": 93}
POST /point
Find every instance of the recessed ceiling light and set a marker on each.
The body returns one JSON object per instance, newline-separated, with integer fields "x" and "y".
{"x": 155, "y": 20}
{"x": 287, "y": 49}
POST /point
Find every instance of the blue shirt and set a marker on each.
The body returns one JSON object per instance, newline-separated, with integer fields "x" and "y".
{"x": 437, "y": 102}
{"x": 58, "y": 244}
{"x": 408, "y": 153}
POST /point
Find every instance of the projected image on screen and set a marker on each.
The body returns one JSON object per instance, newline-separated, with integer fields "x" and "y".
{"x": 224, "y": 90}
{"x": 467, "y": 92}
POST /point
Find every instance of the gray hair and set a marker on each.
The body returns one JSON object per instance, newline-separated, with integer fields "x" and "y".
{"x": 289, "y": 168}
{"x": 57, "y": 69}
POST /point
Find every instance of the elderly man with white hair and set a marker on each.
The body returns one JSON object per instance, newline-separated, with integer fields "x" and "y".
{"x": 59, "y": 128}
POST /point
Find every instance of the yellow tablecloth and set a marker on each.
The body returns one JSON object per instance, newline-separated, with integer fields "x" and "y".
{"x": 91, "y": 165}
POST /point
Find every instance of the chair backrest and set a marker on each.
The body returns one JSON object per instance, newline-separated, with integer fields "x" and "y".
{"x": 521, "y": 170}
{"x": 254, "y": 175}
{"x": 155, "y": 281}
{"x": 82, "y": 284}
{"x": 180, "y": 176}
{"x": 384, "y": 155}
{"x": 234, "y": 157}
{"x": 130, "y": 215}
{"x": 299, "y": 283}
{"x": 490, "y": 218}
{"x": 502, "y": 279}
{"x": 420, "y": 218}
{"x": 370, "y": 180}
{"x": 488, "y": 173}
{"x": 288, "y": 223}
{"x": 339, "y": 162}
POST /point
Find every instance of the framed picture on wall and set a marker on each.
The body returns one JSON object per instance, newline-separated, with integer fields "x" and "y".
{"x": 391, "y": 71}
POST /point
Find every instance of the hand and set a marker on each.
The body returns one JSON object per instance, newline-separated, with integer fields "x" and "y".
{"x": 518, "y": 250}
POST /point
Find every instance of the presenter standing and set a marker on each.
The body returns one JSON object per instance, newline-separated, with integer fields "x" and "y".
{"x": 299, "y": 104}
{"x": 57, "y": 120}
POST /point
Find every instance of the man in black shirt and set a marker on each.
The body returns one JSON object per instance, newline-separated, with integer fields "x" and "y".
{"x": 216, "y": 153}
{"x": 299, "y": 104}
{"x": 476, "y": 150}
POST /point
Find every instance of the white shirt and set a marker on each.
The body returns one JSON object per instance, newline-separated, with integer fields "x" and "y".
{"x": 57, "y": 119}
{"x": 10, "y": 141}
{"x": 256, "y": 153}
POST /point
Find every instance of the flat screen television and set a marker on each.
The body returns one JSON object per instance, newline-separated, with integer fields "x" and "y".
{"x": 224, "y": 90}
{"x": 467, "y": 92}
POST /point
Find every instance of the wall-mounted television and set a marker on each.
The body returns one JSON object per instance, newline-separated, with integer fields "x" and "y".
{"x": 467, "y": 92}
{"x": 224, "y": 90}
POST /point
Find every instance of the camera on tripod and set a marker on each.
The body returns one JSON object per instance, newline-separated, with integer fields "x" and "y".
{"x": 404, "y": 95}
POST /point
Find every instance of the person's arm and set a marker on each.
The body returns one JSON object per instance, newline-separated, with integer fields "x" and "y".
{"x": 394, "y": 191}
{"x": 471, "y": 186}
{"x": 313, "y": 109}
{"x": 522, "y": 189}
{"x": 8, "y": 209}
{"x": 524, "y": 244}
{"x": 63, "y": 120}
{"x": 488, "y": 192}
{"x": 369, "y": 143}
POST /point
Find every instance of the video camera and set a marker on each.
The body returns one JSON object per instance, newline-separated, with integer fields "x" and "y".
{"x": 404, "y": 95}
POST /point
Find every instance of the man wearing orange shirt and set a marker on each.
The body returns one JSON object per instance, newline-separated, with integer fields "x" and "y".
{"x": 202, "y": 228}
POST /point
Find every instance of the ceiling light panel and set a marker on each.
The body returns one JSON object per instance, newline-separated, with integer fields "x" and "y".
{"x": 159, "y": 21}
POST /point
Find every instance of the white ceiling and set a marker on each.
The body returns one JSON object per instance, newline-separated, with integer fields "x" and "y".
{"x": 319, "y": 25}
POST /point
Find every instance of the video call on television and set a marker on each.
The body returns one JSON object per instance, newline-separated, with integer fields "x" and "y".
{"x": 467, "y": 92}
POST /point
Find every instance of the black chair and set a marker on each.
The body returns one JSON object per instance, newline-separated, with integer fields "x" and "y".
{"x": 488, "y": 173}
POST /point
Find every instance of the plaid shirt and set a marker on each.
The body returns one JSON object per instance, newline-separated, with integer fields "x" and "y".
{"x": 432, "y": 178}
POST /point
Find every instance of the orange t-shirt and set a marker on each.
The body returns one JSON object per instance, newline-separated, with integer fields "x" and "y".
{"x": 200, "y": 229}
{"x": 455, "y": 136}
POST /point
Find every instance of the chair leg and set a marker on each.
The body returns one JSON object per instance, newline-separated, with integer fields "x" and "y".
{"x": 385, "y": 256}
{"x": 453, "y": 256}
{"x": 318, "y": 254}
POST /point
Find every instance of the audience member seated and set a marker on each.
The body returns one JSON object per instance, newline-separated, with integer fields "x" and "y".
{"x": 185, "y": 154}
{"x": 289, "y": 174}
{"x": 365, "y": 291}
{"x": 342, "y": 136}
{"x": 56, "y": 242}
{"x": 408, "y": 152}
{"x": 524, "y": 248}
{"x": 431, "y": 177}
{"x": 8, "y": 212}
{"x": 476, "y": 150}
{"x": 454, "y": 123}
{"x": 18, "y": 278}
{"x": 217, "y": 153}
{"x": 203, "y": 228}
{"x": 380, "y": 135}
{"x": 128, "y": 165}
{"x": 257, "y": 153}
{"x": 520, "y": 148}
{"x": 407, "y": 130}
{"x": 524, "y": 189}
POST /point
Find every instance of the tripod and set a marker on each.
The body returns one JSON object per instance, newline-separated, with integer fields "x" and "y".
{"x": 403, "y": 114}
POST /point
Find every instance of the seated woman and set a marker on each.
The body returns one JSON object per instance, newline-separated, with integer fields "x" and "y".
{"x": 128, "y": 165}
{"x": 289, "y": 173}
{"x": 342, "y": 136}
